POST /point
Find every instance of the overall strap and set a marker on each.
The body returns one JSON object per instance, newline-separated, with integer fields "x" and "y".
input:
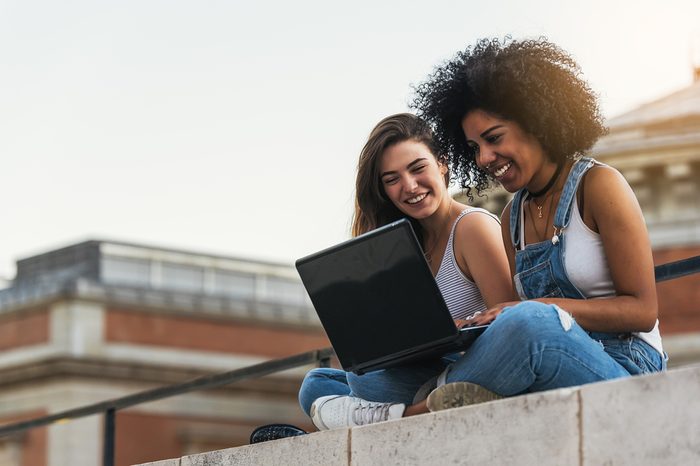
{"x": 515, "y": 218}
{"x": 563, "y": 213}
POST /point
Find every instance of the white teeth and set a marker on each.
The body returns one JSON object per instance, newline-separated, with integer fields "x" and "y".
{"x": 501, "y": 171}
{"x": 417, "y": 199}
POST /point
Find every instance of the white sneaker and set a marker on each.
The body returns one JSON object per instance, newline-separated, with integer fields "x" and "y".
{"x": 336, "y": 411}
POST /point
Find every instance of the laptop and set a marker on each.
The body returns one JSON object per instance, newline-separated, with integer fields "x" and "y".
{"x": 378, "y": 301}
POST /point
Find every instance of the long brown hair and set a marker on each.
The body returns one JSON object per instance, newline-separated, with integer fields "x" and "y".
{"x": 373, "y": 208}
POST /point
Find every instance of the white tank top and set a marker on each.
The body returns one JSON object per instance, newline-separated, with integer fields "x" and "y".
{"x": 584, "y": 259}
{"x": 461, "y": 295}
{"x": 587, "y": 267}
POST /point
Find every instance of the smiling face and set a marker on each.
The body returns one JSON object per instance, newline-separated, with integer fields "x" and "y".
{"x": 413, "y": 180}
{"x": 504, "y": 150}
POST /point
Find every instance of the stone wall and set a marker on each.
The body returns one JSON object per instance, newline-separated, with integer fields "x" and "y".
{"x": 652, "y": 420}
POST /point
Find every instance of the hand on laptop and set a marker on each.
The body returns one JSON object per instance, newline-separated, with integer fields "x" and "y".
{"x": 485, "y": 317}
{"x": 461, "y": 323}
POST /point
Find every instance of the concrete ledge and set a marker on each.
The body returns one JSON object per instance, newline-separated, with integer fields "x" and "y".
{"x": 652, "y": 420}
{"x": 328, "y": 448}
{"x": 535, "y": 429}
{"x": 173, "y": 462}
{"x": 642, "y": 420}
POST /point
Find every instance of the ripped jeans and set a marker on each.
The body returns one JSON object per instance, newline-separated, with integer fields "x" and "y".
{"x": 533, "y": 347}
{"x": 530, "y": 347}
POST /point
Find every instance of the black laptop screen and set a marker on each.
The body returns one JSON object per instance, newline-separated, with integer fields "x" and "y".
{"x": 375, "y": 295}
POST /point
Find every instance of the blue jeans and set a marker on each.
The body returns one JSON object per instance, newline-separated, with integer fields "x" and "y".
{"x": 396, "y": 385}
{"x": 530, "y": 347}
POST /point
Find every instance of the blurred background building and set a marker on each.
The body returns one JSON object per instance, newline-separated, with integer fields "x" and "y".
{"x": 100, "y": 320}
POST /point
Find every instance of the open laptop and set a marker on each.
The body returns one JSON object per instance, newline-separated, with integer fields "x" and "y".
{"x": 378, "y": 301}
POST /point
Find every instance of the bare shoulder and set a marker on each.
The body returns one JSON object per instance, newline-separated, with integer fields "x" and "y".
{"x": 605, "y": 186}
{"x": 603, "y": 178}
{"x": 476, "y": 223}
{"x": 476, "y": 233}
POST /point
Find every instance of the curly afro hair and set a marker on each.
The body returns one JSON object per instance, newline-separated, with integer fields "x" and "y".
{"x": 533, "y": 83}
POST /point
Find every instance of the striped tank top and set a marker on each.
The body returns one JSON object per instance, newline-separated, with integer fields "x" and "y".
{"x": 461, "y": 295}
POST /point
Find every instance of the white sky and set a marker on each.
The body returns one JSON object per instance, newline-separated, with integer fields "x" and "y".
{"x": 234, "y": 127}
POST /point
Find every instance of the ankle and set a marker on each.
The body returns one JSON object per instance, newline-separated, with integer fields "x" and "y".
{"x": 419, "y": 408}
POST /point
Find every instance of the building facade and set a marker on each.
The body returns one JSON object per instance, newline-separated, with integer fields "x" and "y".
{"x": 101, "y": 320}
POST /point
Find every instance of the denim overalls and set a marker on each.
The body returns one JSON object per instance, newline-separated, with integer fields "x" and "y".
{"x": 540, "y": 273}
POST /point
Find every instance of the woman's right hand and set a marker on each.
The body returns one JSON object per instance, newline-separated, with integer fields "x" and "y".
{"x": 487, "y": 316}
{"x": 476, "y": 319}
{"x": 461, "y": 323}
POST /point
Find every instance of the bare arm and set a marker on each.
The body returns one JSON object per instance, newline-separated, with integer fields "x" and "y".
{"x": 505, "y": 233}
{"x": 481, "y": 256}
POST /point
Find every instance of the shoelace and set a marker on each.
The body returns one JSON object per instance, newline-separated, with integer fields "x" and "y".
{"x": 367, "y": 412}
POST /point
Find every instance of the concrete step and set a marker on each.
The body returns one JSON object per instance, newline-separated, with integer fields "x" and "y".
{"x": 652, "y": 420}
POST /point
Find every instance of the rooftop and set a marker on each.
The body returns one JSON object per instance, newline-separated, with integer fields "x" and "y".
{"x": 145, "y": 276}
{"x": 682, "y": 104}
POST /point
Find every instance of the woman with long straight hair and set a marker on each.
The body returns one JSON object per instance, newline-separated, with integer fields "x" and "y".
{"x": 402, "y": 174}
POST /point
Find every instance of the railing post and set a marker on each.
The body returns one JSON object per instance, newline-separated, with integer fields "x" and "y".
{"x": 108, "y": 448}
{"x": 324, "y": 362}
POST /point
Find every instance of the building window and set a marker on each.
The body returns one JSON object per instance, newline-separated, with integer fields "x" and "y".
{"x": 685, "y": 195}
{"x": 284, "y": 291}
{"x": 238, "y": 285}
{"x": 122, "y": 271}
{"x": 180, "y": 277}
{"x": 645, "y": 197}
{"x": 11, "y": 451}
{"x": 678, "y": 170}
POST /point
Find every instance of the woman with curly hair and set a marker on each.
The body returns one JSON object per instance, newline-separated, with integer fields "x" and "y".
{"x": 520, "y": 114}
{"x": 402, "y": 174}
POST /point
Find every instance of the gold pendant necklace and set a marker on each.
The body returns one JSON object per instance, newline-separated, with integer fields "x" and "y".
{"x": 538, "y": 235}
{"x": 540, "y": 206}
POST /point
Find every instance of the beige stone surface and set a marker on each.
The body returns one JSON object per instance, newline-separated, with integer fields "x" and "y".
{"x": 652, "y": 420}
{"x": 318, "y": 449}
{"x": 538, "y": 429}
{"x": 649, "y": 420}
{"x": 172, "y": 462}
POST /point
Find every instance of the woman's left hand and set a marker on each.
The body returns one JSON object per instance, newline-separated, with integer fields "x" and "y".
{"x": 488, "y": 316}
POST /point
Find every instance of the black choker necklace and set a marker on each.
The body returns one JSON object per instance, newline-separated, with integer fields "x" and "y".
{"x": 551, "y": 182}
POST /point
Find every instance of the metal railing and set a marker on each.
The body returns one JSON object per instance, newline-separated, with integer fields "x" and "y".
{"x": 321, "y": 357}
{"x": 677, "y": 269}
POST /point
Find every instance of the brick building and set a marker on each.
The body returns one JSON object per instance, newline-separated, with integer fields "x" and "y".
{"x": 100, "y": 320}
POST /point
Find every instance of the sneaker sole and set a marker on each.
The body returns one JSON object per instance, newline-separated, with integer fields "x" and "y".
{"x": 454, "y": 395}
{"x": 318, "y": 422}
